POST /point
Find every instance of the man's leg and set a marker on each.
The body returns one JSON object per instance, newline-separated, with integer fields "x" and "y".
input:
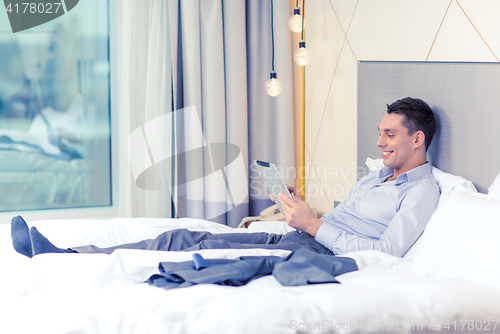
{"x": 174, "y": 240}
{"x": 42, "y": 245}
{"x": 182, "y": 239}
{"x": 290, "y": 241}
{"x": 185, "y": 240}
{"x": 30, "y": 242}
{"x": 304, "y": 240}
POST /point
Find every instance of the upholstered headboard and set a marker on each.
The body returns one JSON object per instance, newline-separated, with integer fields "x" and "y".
{"x": 465, "y": 98}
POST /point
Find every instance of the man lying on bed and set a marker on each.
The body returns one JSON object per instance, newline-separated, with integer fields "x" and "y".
{"x": 387, "y": 210}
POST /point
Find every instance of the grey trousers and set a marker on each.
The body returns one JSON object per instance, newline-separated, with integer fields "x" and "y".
{"x": 185, "y": 240}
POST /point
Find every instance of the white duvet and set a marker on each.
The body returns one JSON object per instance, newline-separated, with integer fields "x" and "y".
{"x": 97, "y": 293}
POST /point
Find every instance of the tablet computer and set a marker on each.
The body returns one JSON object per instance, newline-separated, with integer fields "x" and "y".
{"x": 273, "y": 181}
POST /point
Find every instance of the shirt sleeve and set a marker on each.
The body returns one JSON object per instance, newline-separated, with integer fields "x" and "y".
{"x": 404, "y": 229}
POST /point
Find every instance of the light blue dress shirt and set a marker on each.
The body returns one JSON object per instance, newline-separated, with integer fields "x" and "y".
{"x": 385, "y": 216}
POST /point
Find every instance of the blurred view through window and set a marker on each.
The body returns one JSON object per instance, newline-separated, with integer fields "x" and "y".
{"x": 55, "y": 111}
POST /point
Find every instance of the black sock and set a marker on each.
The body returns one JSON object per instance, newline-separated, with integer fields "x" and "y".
{"x": 41, "y": 245}
{"x": 20, "y": 236}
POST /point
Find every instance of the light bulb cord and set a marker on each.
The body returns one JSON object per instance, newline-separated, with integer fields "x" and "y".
{"x": 272, "y": 34}
{"x": 303, "y": 15}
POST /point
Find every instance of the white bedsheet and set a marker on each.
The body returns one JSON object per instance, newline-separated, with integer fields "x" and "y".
{"x": 97, "y": 293}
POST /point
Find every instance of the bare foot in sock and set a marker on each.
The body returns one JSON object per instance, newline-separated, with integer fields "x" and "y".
{"x": 41, "y": 245}
{"x": 20, "y": 236}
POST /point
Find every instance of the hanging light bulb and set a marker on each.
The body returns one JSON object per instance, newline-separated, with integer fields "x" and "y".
{"x": 295, "y": 21}
{"x": 301, "y": 55}
{"x": 273, "y": 85}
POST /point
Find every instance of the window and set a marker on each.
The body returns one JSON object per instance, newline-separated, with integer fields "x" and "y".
{"x": 55, "y": 133}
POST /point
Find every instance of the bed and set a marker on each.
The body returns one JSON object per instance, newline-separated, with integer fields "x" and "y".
{"x": 40, "y": 181}
{"x": 41, "y": 168}
{"x": 448, "y": 281}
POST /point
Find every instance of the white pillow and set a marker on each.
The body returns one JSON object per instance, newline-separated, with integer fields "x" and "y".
{"x": 462, "y": 240}
{"x": 446, "y": 181}
{"x": 494, "y": 189}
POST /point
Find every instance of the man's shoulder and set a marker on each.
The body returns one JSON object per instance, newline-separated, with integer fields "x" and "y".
{"x": 426, "y": 185}
{"x": 426, "y": 178}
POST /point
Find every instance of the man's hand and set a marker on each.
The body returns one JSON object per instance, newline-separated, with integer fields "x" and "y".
{"x": 299, "y": 214}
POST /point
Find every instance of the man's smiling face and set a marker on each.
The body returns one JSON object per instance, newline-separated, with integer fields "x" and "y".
{"x": 396, "y": 144}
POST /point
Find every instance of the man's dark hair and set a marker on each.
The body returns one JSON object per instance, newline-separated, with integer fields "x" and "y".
{"x": 418, "y": 117}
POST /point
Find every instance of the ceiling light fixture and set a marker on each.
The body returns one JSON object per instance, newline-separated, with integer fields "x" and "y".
{"x": 301, "y": 56}
{"x": 273, "y": 86}
{"x": 295, "y": 22}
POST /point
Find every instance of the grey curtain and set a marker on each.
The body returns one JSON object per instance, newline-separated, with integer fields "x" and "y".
{"x": 194, "y": 109}
{"x": 221, "y": 56}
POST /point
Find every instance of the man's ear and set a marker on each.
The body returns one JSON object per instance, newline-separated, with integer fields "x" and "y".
{"x": 419, "y": 139}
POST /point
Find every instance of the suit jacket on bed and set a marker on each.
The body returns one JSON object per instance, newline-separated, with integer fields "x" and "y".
{"x": 301, "y": 267}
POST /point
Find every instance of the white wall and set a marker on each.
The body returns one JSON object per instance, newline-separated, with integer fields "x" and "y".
{"x": 342, "y": 32}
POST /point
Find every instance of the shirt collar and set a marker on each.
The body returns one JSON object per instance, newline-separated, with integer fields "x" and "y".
{"x": 409, "y": 176}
